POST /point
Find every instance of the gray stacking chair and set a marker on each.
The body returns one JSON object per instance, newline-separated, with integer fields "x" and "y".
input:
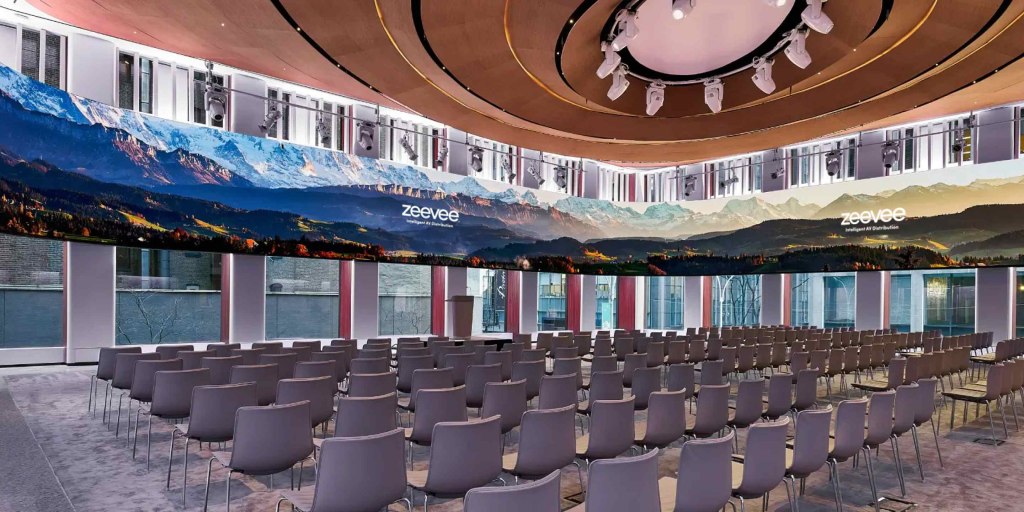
{"x": 142, "y": 389}
{"x": 124, "y": 375}
{"x": 557, "y": 391}
{"x": 314, "y": 345}
{"x": 810, "y": 447}
{"x": 780, "y": 396}
{"x": 355, "y": 474}
{"x": 603, "y": 386}
{"x": 806, "y": 395}
{"x": 505, "y": 399}
{"x": 924, "y": 412}
{"x": 369, "y": 365}
{"x": 220, "y": 368}
{"x": 655, "y": 353}
{"x": 533, "y": 354}
{"x": 704, "y": 481}
{"x": 879, "y": 430}
{"x": 849, "y": 440}
{"x": 459, "y": 363}
{"x": 666, "y": 420}
{"x": 764, "y": 463}
{"x": 600, "y": 364}
{"x": 434, "y": 378}
{"x": 645, "y": 382}
{"x": 903, "y": 422}
{"x": 318, "y": 391}
{"x": 193, "y": 359}
{"x": 477, "y": 378}
{"x": 532, "y": 372}
{"x": 712, "y": 411}
{"x": 371, "y": 384}
{"x": 516, "y": 348}
{"x": 269, "y": 347}
{"x": 711, "y": 373}
{"x": 681, "y": 377}
{"x": 627, "y": 483}
{"x": 546, "y": 443}
{"x": 310, "y": 369}
{"x": 211, "y": 420}
{"x": 172, "y": 400}
{"x": 302, "y": 354}
{"x": 285, "y": 363}
{"x": 611, "y": 431}
{"x": 337, "y": 360}
{"x": 222, "y": 349}
{"x": 569, "y": 365}
{"x": 505, "y": 359}
{"x": 632, "y": 362}
{"x": 171, "y": 351}
{"x": 249, "y": 356}
{"x": 749, "y": 404}
{"x": 543, "y": 495}
{"x": 407, "y": 365}
{"x": 263, "y": 375}
{"x": 267, "y": 440}
{"x": 436, "y": 406}
{"x": 465, "y": 455}
{"x": 105, "y": 373}
{"x": 364, "y": 416}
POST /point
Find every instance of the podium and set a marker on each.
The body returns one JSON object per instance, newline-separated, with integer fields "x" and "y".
{"x": 462, "y": 315}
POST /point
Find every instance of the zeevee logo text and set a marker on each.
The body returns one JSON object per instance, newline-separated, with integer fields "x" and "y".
{"x": 872, "y": 217}
{"x": 427, "y": 213}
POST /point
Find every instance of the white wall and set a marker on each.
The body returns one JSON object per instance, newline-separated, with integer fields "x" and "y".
{"x": 773, "y": 299}
{"x": 871, "y": 300}
{"x": 247, "y": 112}
{"x": 89, "y": 300}
{"x": 92, "y": 71}
{"x": 248, "y": 298}
{"x": 995, "y": 289}
{"x": 528, "y": 307}
{"x": 693, "y": 301}
{"x": 588, "y": 302}
{"x": 364, "y": 304}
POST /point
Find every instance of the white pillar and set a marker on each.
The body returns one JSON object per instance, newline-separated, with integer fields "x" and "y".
{"x": 588, "y": 302}
{"x": 995, "y": 292}
{"x": 640, "y": 303}
{"x": 693, "y": 301}
{"x": 528, "y": 299}
{"x": 871, "y": 303}
{"x": 772, "y": 299}
{"x": 89, "y": 300}
{"x": 365, "y": 304}
{"x": 247, "y": 298}
{"x": 816, "y": 300}
{"x": 916, "y": 301}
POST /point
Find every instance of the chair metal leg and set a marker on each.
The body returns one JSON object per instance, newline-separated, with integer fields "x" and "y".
{"x": 991, "y": 423}
{"x": 792, "y": 496}
{"x": 134, "y": 446}
{"x": 92, "y": 394}
{"x": 227, "y": 492}
{"x": 117, "y": 427}
{"x": 935, "y": 432}
{"x": 106, "y": 401}
{"x": 917, "y": 449}
{"x": 149, "y": 440}
{"x": 871, "y": 478}
{"x": 170, "y": 458}
{"x": 895, "y": 444}
{"x": 184, "y": 474}
{"x": 579, "y": 473}
{"x": 834, "y": 468}
{"x": 209, "y": 470}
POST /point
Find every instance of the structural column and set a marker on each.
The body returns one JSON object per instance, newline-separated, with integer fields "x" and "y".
{"x": 246, "y": 298}
{"x": 457, "y": 284}
{"x": 871, "y": 300}
{"x": 438, "y": 300}
{"x": 995, "y": 302}
{"x": 773, "y": 299}
{"x": 573, "y": 296}
{"x": 513, "y": 299}
{"x": 365, "y": 304}
{"x": 345, "y": 280}
{"x": 626, "y": 307}
{"x": 693, "y": 301}
{"x": 89, "y": 300}
{"x": 588, "y": 302}
{"x": 528, "y": 309}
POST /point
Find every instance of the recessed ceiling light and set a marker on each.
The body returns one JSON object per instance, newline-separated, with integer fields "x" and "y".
{"x": 222, "y": 24}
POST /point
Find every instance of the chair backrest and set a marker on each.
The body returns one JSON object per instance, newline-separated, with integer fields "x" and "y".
{"x": 810, "y": 446}
{"x": 656, "y": 353}
{"x": 431, "y": 378}
{"x": 606, "y": 386}
{"x": 557, "y": 391}
{"x": 806, "y": 389}
{"x": 270, "y": 439}
{"x": 780, "y": 395}
{"x": 905, "y": 408}
{"x": 711, "y": 373}
{"x": 611, "y": 429}
{"x": 222, "y": 349}
{"x": 107, "y": 358}
{"x": 269, "y": 347}
{"x": 145, "y": 371}
{"x": 313, "y": 345}
{"x": 764, "y": 464}
{"x": 712, "y": 410}
{"x": 318, "y": 391}
{"x": 172, "y": 391}
{"x": 369, "y": 365}
{"x": 681, "y": 377}
{"x": 285, "y": 363}
{"x": 897, "y": 366}
{"x": 880, "y": 418}
{"x": 666, "y": 418}
{"x": 645, "y": 382}
{"x": 925, "y": 401}
{"x": 249, "y": 356}
{"x": 477, "y": 378}
{"x": 749, "y": 404}
{"x": 263, "y": 375}
{"x": 505, "y": 399}
{"x": 543, "y": 495}
{"x": 533, "y": 354}
{"x": 171, "y": 351}
{"x": 465, "y": 454}
{"x": 212, "y": 414}
{"x": 337, "y": 359}
{"x": 407, "y": 365}
{"x": 547, "y": 440}
{"x": 435, "y": 406}
{"x": 371, "y": 384}
{"x": 459, "y": 363}
{"x": 627, "y": 483}
{"x": 505, "y": 359}
{"x": 569, "y": 366}
{"x": 363, "y": 416}
{"x": 124, "y": 367}
{"x": 192, "y": 359}
{"x": 309, "y": 369}
{"x": 603, "y": 347}
{"x": 993, "y": 382}
{"x": 357, "y": 473}
{"x": 704, "y": 483}
{"x": 849, "y": 430}
{"x": 603, "y": 364}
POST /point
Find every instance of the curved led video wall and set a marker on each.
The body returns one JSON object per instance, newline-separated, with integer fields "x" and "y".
{"x": 75, "y": 169}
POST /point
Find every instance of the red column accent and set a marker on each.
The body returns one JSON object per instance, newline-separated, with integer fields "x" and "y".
{"x": 626, "y": 302}
{"x": 706, "y": 296}
{"x": 513, "y": 292}
{"x": 787, "y": 299}
{"x": 225, "y": 298}
{"x": 438, "y": 296}
{"x": 573, "y": 304}
{"x": 345, "y": 269}
{"x": 632, "y": 187}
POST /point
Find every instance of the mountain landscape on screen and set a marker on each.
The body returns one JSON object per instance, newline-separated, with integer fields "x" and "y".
{"x": 76, "y": 169}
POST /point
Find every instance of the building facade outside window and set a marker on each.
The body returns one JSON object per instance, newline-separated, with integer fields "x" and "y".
{"x": 302, "y": 298}
{"x": 664, "y": 302}
{"x": 949, "y": 303}
{"x": 735, "y": 300}
{"x": 840, "y": 300}
{"x": 403, "y": 298}
{"x": 551, "y": 302}
{"x": 31, "y": 292}
{"x": 167, "y": 296}
{"x": 488, "y": 286}
{"x": 800, "y": 299}
{"x": 900, "y": 300}
{"x": 607, "y": 303}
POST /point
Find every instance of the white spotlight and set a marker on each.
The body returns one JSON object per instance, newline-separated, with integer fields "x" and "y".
{"x": 832, "y": 162}
{"x": 365, "y": 137}
{"x": 476, "y": 158}
{"x": 611, "y": 61}
{"x": 682, "y": 8}
{"x": 713, "y": 93}
{"x": 776, "y": 3}
{"x": 442, "y": 156}
{"x": 763, "y": 75}
{"x": 270, "y": 121}
{"x": 815, "y": 18}
{"x": 409, "y": 150}
{"x": 628, "y": 30}
{"x": 619, "y": 83}
{"x": 796, "y": 50}
{"x": 890, "y": 153}
{"x": 323, "y": 129}
{"x": 655, "y": 97}
{"x": 562, "y": 176}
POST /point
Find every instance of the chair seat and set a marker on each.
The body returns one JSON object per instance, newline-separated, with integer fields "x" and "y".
{"x": 737, "y": 475}
{"x": 417, "y": 479}
{"x": 872, "y": 385}
{"x": 970, "y": 395}
{"x": 508, "y": 462}
{"x": 300, "y": 500}
{"x": 581, "y": 445}
{"x": 403, "y": 403}
{"x": 223, "y": 457}
{"x": 986, "y": 358}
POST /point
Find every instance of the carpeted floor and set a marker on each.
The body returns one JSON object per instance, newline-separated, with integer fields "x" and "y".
{"x": 53, "y": 450}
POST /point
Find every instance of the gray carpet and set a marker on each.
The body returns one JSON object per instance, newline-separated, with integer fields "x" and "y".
{"x": 98, "y": 473}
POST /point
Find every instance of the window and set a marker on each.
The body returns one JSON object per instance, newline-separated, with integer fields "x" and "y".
{"x": 809, "y": 164}
{"x": 488, "y": 287}
{"x": 302, "y": 298}
{"x": 146, "y": 85}
{"x": 325, "y": 126}
{"x": 199, "y": 98}
{"x": 551, "y": 302}
{"x": 949, "y": 303}
{"x": 933, "y": 145}
{"x": 840, "y": 300}
{"x": 341, "y": 127}
{"x": 126, "y": 81}
{"x": 613, "y": 184}
{"x": 735, "y": 300}
{"x": 403, "y": 299}
{"x": 735, "y": 176}
{"x": 167, "y": 296}
{"x": 30, "y": 53}
{"x": 406, "y": 141}
{"x": 554, "y": 165}
{"x": 900, "y": 309}
{"x": 800, "y": 299}
{"x": 664, "y": 302}
{"x": 53, "y": 61}
{"x": 607, "y": 303}
{"x": 31, "y": 292}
